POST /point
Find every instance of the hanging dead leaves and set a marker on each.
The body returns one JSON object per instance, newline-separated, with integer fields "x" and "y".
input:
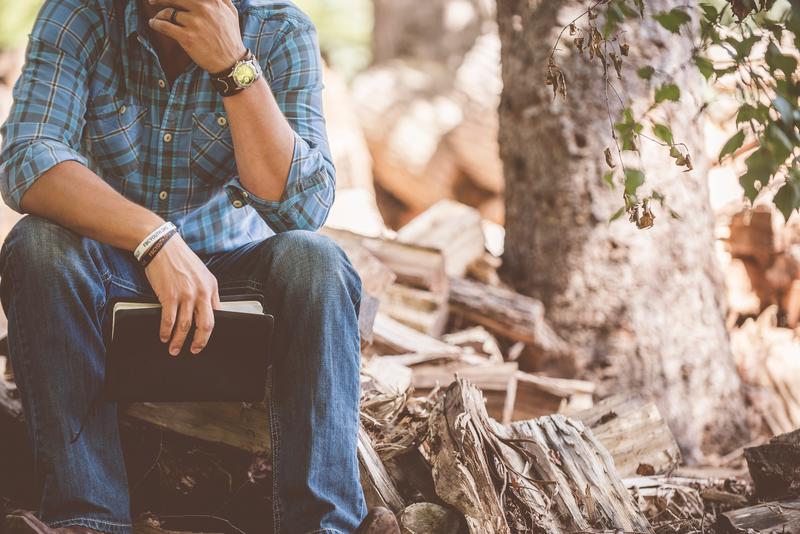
{"x": 554, "y": 77}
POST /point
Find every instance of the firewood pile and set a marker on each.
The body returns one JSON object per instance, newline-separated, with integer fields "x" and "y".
{"x": 455, "y": 437}
{"x": 762, "y": 268}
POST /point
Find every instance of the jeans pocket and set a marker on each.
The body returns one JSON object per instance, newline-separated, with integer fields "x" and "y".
{"x": 212, "y": 160}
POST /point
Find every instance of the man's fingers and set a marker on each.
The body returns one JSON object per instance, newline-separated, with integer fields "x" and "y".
{"x": 167, "y": 28}
{"x": 168, "y": 312}
{"x": 204, "y": 323}
{"x": 182, "y": 327}
{"x": 166, "y": 15}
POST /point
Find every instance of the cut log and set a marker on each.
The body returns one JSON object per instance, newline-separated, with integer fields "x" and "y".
{"x": 498, "y": 382}
{"x": 426, "y": 517}
{"x": 756, "y": 233}
{"x": 548, "y": 475}
{"x": 420, "y": 309}
{"x": 508, "y": 314}
{"x": 379, "y": 489}
{"x": 780, "y": 517}
{"x": 635, "y": 434}
{"x": 393, "y": 337}
{"x": 544, "y": 395}
{"x": 478, "y": 340}
{"x": 775, "y": 466}
{"x": 451, "y": 227}
{"x": 414, "y": 266}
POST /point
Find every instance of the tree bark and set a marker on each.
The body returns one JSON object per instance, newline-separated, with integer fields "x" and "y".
{"x": 643, "y": 308}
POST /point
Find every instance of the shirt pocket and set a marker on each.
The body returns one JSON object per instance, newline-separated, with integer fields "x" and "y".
{"x": 212, "y": 160}
{"x": 114, "y": 134}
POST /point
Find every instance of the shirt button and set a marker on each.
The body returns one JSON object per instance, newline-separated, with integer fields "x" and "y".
{"x": 245, "y": 194}
{"x": 122, "y": 109}
{"x": 222, "y": 121}
{"x": 167, "y": 137}
{"x": 163, "y": 195}
{"x": 162, "y": 84}
{"x": 238, "y": 204}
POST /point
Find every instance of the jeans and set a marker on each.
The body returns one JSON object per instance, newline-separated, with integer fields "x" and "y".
{"x": 55, "y": 287}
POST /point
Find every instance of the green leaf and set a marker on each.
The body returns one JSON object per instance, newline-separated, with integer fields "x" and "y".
{"x": 663, "y": 132}
{"x": 748, "y": 112}
{"x": 617, "y": 214}
{"x": 705, "y": 66}
{"x": 787, "y": 199}
{"x": 778, "y": 61}
{"x": 668, "y": 91}
{"x": 732, "y": 145}
{"x": 608, "y": 178}
{"x": 748, "y": 182}
{"x": 633, "y": 179}
{"x": 744, "y": 46}
{"x": 673, "y": 19}
{"x": 710, "y": 13}
{"x": 646, "y": 72}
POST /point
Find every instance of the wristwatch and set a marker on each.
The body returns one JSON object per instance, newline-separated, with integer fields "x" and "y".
{"x": 236, "y": 79}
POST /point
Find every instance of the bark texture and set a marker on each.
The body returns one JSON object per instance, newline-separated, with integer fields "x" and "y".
{"x": 642, "y": 308}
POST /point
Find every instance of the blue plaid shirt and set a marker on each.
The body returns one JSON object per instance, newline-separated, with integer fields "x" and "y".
{"x": 93, "y": 91}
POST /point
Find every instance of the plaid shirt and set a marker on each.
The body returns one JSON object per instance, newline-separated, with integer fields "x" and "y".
{"x": 92, "y": 91}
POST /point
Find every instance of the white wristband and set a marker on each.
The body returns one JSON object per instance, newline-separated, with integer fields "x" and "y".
{"x": 154, "y": 236}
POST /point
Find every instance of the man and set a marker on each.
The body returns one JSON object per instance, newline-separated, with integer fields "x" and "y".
{"x": 134, "y": 115}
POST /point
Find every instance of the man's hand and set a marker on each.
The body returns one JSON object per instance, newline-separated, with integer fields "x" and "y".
{"x": 186, "y": 289}
{"x": 208, "y": 30}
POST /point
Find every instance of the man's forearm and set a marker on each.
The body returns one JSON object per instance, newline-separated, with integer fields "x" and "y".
{"x": 263, "y": 140}
{"x": 73, "y": 196}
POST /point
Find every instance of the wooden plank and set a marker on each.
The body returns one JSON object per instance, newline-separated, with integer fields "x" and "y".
{"x": 379, "y": 489}
{"x": 635, "y": 434}
{"x": 498, "y": 382}
{"x": 393, "y": 337}
{"x": 242, "y": 426}
{"x": 415, "y": 266}
{"x": 451, "y": 227}
{"x": 778, "y": 517}
{"x": 543, "y": 395}
{"x": 509, "y": 314}
{"x": 422, "y": 310}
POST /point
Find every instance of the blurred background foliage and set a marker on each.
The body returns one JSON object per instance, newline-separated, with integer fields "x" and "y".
{"x": 345, "y": 28}
{"x": 16, "y": 19}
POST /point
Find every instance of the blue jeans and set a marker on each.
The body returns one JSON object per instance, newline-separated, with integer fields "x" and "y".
{"x": 55, "y": 287}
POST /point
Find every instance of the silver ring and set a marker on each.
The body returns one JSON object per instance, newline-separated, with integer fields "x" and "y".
{"x": 174, "y": 18}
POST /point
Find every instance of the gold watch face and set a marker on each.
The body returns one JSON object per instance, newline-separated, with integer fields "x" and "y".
{"x": 244, "y": 74}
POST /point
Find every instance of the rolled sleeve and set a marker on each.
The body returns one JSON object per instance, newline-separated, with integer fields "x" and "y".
{"x": 46, "y": 120}
{"x": 18, "y": 174}
{"x": 306, "y": 199}
{"x": 294, "y": 68}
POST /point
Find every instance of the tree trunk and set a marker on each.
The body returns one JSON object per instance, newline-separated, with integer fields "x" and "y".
{"x": 642, "y": 307}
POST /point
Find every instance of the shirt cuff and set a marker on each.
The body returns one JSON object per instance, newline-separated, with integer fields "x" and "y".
{"x": 18, "y": 174}
{"x": 306, "y": 198}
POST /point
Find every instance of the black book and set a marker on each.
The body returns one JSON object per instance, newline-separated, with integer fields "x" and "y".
{"x": 232, "y": 366}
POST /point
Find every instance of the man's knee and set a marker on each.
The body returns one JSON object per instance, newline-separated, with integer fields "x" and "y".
{"x": 42, "y": 248}
{"x": 308, "y": 261}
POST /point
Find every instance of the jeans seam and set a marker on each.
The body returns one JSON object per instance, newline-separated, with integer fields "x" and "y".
{"x": 35, "y": 423}
{"x": 275, "y": 441}
{"x": 89, "y": 522}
